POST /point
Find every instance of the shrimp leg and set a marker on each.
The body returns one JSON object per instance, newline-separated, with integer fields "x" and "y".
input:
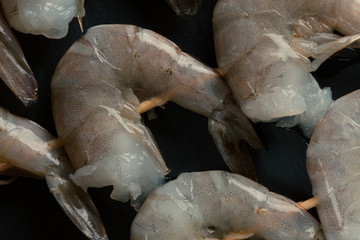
{"x": 23, "y": 144}
{"x": 14, "y": 70}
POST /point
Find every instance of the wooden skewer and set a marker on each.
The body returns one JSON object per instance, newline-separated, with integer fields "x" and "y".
{"x": 234, "y": 236}
{"x": 80, "y": 7}
{"x": 151, "y": 103}
{"x": 55, "y": 143}
{"x": 238, "y": 236}
{"x": 310, "y": 203}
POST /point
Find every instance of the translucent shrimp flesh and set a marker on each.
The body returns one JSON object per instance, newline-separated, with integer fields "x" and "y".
{"x": 96, "y": 90}
{"x": 14, "y": 69}
{"x": 24, "y": 145}
{"x": 220, "y": 205}
{"x": 263, "y": 49}
{"x": 184, "y": 7}
{"x": 333, "y": 167}
{"x": 47, "y": 17}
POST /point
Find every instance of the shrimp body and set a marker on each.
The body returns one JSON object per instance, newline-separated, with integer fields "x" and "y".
{"x": 217, "y": 205}
{"x": 47, "y": 17}
{"x": 184, "y": 7}
{"x": 263, "y": 49}
{"x": 24, "y": 144}
{"x": 333, "y": 167}
{"x": 14, "y": 69}
{"x": 96, "y": 90}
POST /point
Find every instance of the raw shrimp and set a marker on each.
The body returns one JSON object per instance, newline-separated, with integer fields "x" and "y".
{"x": 24, "y": 144}
{"x": 184, "y": 7}
{"x": 96, "y": 90}
{"x": 220, "y": 205}
{"x": 263, "y": 49}
{"x": 14, "y": 70}
{"x": 47, "y": 17}
{"x": 333, "y": 167}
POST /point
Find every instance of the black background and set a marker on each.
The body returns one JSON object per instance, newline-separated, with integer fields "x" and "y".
{"x": 27, "y": 208}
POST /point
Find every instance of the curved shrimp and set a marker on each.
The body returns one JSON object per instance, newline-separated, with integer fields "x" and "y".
{"x": 220, "y": 205}
{"x": 333, "y": 167}
{"x": 184, "y": 7}
{"x": 24, "y": 145}
{"x": 14, "y": 69}
{"x": 263, "y": 49}
{"x": 96, "y": 90}
{"x": 49, "y": 18}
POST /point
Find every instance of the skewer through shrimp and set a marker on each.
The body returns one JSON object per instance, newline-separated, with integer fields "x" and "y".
{"x": 96, "y": 90}
{"x": 24, "y": 145}
{"x": 220, "y": 205}
{"x": 263, "y": 49}
{"x": 333, "y": 167}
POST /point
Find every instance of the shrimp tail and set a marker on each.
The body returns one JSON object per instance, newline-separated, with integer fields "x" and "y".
{"x": 76, "y": 204}
{"x": 14, "y": 69}
{"x": 326, "y": 46}
{"x": 233, "y": 133}
{"x": 184, "y": 7}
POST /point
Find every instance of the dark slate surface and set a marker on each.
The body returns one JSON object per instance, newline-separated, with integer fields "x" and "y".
{"x": 28, "y": 210}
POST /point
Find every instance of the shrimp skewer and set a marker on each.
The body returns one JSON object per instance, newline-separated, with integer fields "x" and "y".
{"x": 220, "y": 205}
{"x": 333, "y": 167}
{"x": 14, "y": 69}
{"x": 263, "y": 49}
{"x": 184, "y": 7}
{"x": 49, "y": 18}
{"x": 96, "y": 90}
{"x": 24, "y": 145}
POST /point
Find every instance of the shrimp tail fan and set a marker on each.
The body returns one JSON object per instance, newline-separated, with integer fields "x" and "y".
{"x": 184, "y": 7}
{"x": 14, "y": 69}
{"x": 233, "y": 133}
{"x": 77, "y": 205}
